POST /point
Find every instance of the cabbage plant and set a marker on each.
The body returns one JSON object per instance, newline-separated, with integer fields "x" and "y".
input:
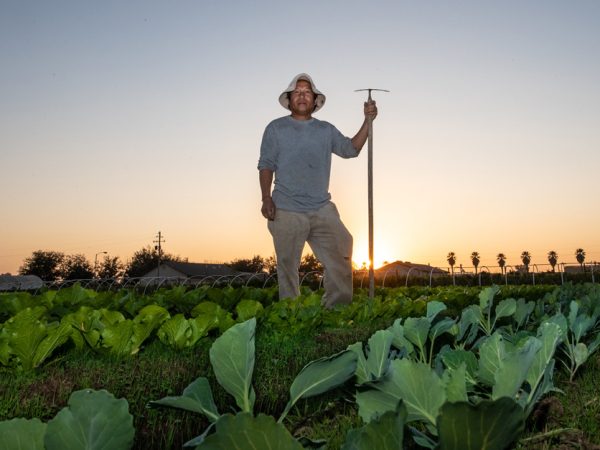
{"x": 93, "y": 420}
{"x": 232, "y": 358}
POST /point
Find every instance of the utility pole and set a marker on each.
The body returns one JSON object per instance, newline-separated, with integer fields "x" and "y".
{"x": 158, "y": 248}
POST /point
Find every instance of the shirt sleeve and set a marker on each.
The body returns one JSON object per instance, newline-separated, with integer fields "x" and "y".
{"x": 342, "y": 145}
{"x": 268, "y": 150}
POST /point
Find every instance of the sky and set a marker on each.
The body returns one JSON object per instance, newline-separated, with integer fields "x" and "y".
{"x": 120, "y": 119}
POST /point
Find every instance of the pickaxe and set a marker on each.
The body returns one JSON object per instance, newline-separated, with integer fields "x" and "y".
{"x": 370, "y": 169}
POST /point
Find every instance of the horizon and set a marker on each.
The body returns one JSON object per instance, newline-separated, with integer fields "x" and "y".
{"x": 359, "y": 265}
{"x": 119, "y": 120}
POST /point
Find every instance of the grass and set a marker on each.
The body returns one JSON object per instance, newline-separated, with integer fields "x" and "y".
{"x": 569, "y": 420}
{"x": 159, "y": 371}
{"x": 150, "y": 376}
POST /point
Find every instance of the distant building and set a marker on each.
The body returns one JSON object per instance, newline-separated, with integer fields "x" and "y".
{"x": 20, "y": 282}
{"x": 576, "y": 268}
{"x": 404, "y": 268}
{"x": 181, "y": 271}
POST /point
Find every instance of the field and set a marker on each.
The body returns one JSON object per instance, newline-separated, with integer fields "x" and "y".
{"x": 525, "y": 355}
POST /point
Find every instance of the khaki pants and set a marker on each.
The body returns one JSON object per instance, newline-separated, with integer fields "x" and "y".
{"x": 329, "y": 240}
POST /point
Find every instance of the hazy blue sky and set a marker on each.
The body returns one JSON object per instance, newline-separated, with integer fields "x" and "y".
{"x": 120, "y": 119}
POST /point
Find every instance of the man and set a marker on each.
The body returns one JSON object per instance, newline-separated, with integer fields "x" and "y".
{"x": 297, "y": 150}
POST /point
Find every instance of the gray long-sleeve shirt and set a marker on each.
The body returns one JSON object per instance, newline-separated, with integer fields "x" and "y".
{"x": 299, "y": 152}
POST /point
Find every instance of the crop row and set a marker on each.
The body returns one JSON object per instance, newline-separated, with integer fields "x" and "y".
{"x": 121, "y": 323}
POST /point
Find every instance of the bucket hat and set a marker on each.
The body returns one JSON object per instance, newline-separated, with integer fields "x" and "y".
{"x": 319, "y": 96}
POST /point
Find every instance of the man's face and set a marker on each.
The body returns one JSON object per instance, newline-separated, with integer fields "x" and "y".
{"x": 302, "y": 99}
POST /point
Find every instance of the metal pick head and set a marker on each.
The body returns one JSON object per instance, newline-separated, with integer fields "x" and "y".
{"x": 371, "y": 89}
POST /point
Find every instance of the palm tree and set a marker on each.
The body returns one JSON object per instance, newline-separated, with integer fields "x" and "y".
{"x": 501, "y": 262}
{"x": 552, "y": 258}
{"x": 475, "y": 260}
{"x": 451, "y": 260}
{"x": 580, "y": 255}
{"x": 526, "y": 258}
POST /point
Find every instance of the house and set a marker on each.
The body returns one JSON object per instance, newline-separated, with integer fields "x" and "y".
{"x": 181, "y": 271}
{"x": 20, "y": 282}
{"x": 587, "y": 267}
{"x": 404, "y": 268}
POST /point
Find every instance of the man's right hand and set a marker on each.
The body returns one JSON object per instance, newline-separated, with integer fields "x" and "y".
{"x": 268, "y": 208}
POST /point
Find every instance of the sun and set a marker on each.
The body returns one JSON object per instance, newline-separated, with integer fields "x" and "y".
{"x": 384, "y": 253}
{"x": 361, "y": 259}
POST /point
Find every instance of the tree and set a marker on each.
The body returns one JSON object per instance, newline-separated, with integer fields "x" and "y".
{"x": 76, "y": 267}
{"x": 110, "y": 268}
{"x": 254, "y": 265}
{"x": 142, "y": 262}
{"x": 501, "y": 258}
{"x": 580, "y": 255}
{"x": 526, "y": 258}
{"x": 270, "y": 265}
{"x": 552, "y": 259}
{"x": 44, "y": 264}
{"x": 475, "y": 260}
{"x": 451, "y": 260}
{"x": 310, "y": 263}
{"x": 146, "y": 259}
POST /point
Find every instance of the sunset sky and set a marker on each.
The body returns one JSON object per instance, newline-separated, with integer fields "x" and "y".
{"x": 122, "y": 118}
